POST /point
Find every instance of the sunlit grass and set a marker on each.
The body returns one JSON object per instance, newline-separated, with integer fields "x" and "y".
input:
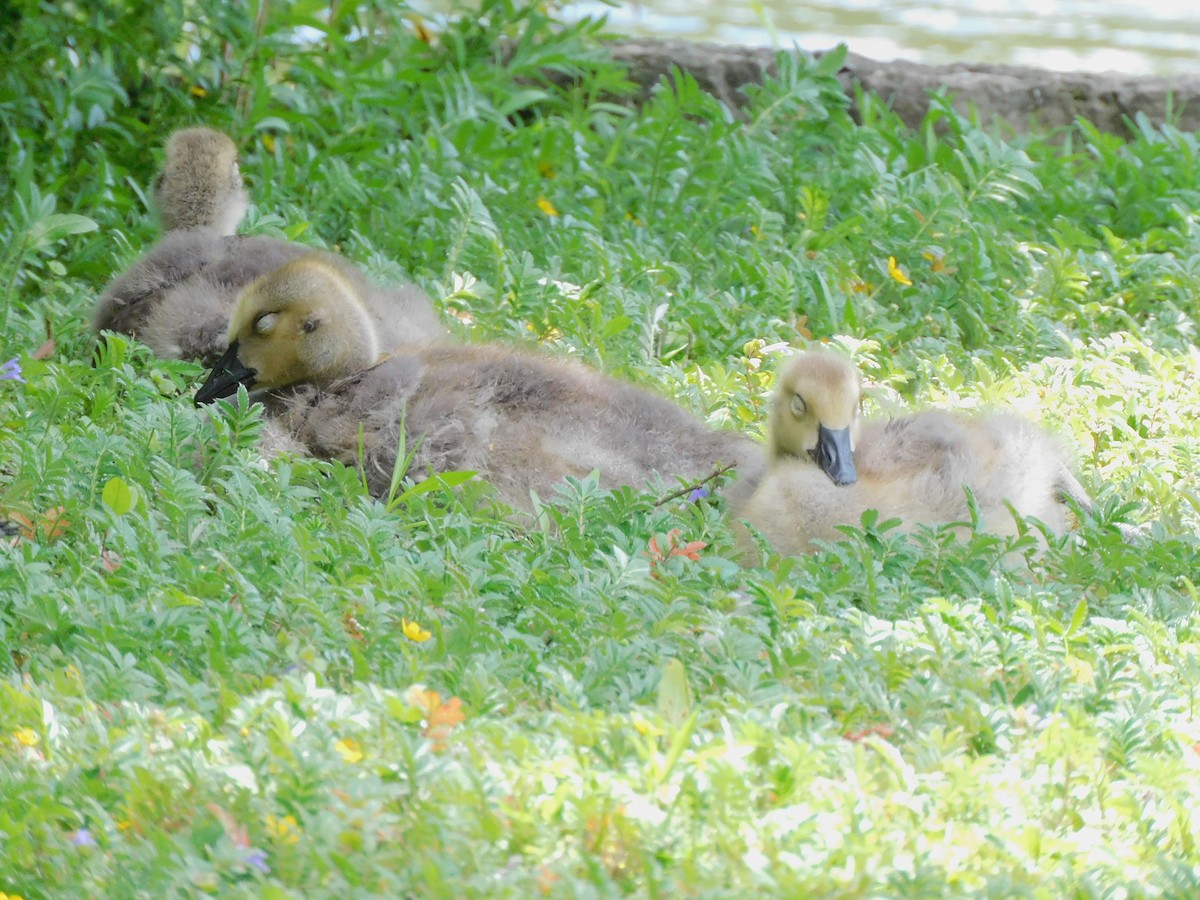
{"x": 231, "y": 678}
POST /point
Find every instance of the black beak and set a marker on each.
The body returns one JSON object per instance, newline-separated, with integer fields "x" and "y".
{"x": 833, "y": 454}
{"x": 223, "y": 380}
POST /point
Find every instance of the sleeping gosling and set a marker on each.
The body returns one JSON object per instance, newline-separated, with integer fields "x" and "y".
{"x": 304, "y": 338}
{"x": 827, "y": 467}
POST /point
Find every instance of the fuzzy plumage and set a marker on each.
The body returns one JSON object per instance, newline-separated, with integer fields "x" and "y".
{"x": 912, "y": 468}
{"x": 521, "y": 421}
{"x": 200, "y": 185}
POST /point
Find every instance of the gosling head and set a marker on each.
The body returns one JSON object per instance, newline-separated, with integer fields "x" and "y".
{"x": 303, "y": 322}
{"x": 814, "y": 414}
{"x": 200, "y": 184}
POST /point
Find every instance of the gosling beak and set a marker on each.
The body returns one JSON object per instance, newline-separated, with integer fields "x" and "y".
{"x": 225, "y": 377}
{"x": 834, "y": 456}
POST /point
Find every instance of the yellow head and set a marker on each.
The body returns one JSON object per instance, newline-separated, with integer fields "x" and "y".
{"x": 303, "y": 322}
{"x": 815, "y": 413}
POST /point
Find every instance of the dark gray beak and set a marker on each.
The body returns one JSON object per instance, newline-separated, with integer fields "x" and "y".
{"x": 834, "y": 456}
{"x": 225, "y": 377}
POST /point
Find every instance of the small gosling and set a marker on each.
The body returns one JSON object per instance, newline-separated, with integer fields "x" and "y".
{"x": 303, "y": 336}
{"x": 827, "y": 467}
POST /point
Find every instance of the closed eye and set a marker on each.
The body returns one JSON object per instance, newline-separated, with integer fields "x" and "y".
{"x": 265, "y": 323}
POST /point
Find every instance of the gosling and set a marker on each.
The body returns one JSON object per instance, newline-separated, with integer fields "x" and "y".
{"x": 827, "y": 467}
{"x": 178, "y": 297}
{"x": 303, "y": 336}
{"x": 200, "y": 185}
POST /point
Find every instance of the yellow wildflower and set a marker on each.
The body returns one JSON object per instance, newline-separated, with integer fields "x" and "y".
{"x": 349, "y": 749}
{"x": 645, "y": 727}
{"x": 414, "y": 632}
{"x": 268, "y": 142}
{"x": 896, "y": 272}
{"x": 285, "y": 830}
{"x": 937, "y": 262}
{"x": 546, "y": 206}
{"x": 4, "y": 896}
{"x": 26, "y": 736}
{"x": 197, "y": 91}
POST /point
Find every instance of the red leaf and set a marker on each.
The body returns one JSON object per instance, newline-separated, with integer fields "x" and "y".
{"x": 440, "y": 717}
{"x": 691, "y": 550}
{"x": 52, "y": 524}
{"x": 883, "y": 731}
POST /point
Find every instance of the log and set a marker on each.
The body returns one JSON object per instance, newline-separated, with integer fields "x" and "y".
{"x": 1025, "y": 98}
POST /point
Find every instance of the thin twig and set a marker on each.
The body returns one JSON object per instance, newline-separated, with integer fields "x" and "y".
{"x": 688, "y": 488}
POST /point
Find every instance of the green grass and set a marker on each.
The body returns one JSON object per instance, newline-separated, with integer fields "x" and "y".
{"x": 208, "y": 687}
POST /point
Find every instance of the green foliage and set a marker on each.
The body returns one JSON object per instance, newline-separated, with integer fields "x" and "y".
{"x": 233, "y": 678}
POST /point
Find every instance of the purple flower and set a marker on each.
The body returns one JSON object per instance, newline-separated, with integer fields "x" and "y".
{"x": 11, "y": 371}
{"x": 82, "y": 838}
{"x": 697, "y": 495}
{"x": 257, "y": 859}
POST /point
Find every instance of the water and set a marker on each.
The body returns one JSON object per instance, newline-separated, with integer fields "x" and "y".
{"x": 1161, "y": 38}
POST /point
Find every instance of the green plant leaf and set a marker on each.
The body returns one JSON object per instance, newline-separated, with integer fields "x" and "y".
{"x": 442, "y": 481}
{"x": 832, "y": 60}
{"x": 674, "y": 695}
{"x": 46, "y": 231}
{"x": 1078, "y": 617}
{"x": 118, "y": 496}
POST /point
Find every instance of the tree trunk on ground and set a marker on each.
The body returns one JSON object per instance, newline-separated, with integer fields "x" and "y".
{"x": 1023, "y": 97}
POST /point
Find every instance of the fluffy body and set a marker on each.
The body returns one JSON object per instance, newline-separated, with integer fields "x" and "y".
{"x": 522, "y": 421}
{"x": 200, "y": 185}
{"x": 912, "y": 468}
